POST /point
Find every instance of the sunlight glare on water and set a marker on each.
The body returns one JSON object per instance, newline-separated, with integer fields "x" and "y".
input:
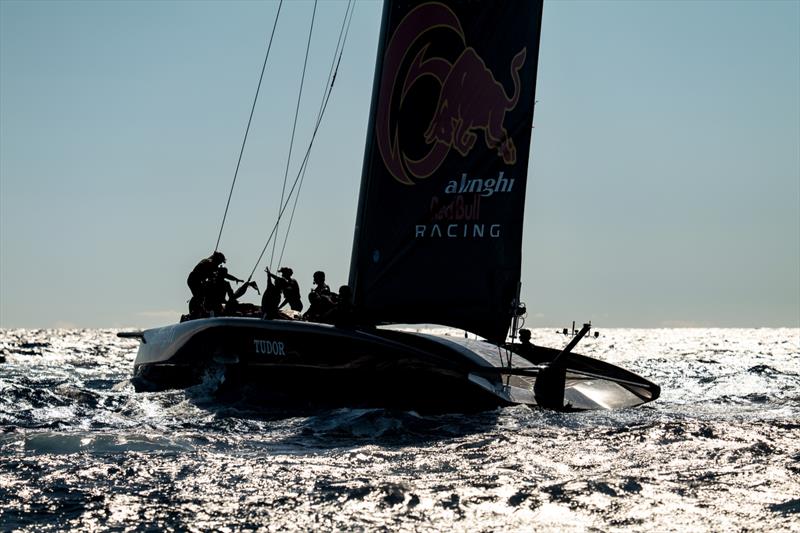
{"x": 718, "y": 451}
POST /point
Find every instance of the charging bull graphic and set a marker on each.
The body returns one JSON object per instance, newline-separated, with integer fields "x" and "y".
{"x": 472, "y": 99}
{"x": 471, "y": 102}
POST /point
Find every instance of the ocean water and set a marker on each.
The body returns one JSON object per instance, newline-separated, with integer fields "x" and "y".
{"x": 719, "y": 451}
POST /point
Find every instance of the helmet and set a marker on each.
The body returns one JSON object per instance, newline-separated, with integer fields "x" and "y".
{"x": 288, "y": 270}
{"x": 218, "y": 257}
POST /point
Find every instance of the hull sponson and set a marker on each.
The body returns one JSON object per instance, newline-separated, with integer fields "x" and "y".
{"x": 302, "y": 364}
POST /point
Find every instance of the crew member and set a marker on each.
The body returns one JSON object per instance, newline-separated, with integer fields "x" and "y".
{"x": 203, "y": 271}
{"x": 221, "y": 299}
{"x": 271, "y": 296}
{"x": 200, "y": 282}
{"x": 528, "y": 350}
{"x": 289, "y": 287}
{"x": 321, "y": 300}
{"x": 344, "y": 313}
{"x": 525, "y": 339}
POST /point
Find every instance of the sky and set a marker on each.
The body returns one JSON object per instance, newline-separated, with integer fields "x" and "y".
{"x": 663, "y": 188}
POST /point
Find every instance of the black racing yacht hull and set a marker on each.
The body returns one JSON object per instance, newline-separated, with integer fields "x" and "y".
{"x": 295, "y": 364}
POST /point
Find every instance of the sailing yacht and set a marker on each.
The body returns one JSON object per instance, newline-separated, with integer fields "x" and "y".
{"x": 437, "y": 240}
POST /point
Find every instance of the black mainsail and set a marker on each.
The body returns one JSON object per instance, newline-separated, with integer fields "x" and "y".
{"x": 439, "y": 228}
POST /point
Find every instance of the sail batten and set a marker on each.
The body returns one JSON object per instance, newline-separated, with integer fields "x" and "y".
{"x": 439, "y": 229}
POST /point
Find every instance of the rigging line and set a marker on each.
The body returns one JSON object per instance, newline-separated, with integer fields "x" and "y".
{"x": 294, "y": 184}
{"x": 247, "y": 129}
{"x": 294, "y": 126}
{"x": 291, "y": 191}
{"x": 280, "y": 214}
{"x": 339, "y": 50}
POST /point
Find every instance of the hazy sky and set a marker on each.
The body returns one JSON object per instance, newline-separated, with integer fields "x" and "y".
{"x": 664, "y": 184}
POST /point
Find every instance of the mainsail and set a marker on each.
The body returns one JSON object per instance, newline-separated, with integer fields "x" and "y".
{"x": 439, "y": 229}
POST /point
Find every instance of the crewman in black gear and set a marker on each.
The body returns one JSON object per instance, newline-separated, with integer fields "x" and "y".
{"x": 221, "y": 299}
{"x": 289, "y": 288}
{"x": 271, "y": 297}
{"x": 321, "y": 300}
{"x": 200, "y": 281}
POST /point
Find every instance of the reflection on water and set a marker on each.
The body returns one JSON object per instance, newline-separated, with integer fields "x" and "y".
{"x": 718, "y": 451}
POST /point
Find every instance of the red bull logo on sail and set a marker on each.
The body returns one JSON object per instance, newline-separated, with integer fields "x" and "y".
{"x": 471, "y": 106}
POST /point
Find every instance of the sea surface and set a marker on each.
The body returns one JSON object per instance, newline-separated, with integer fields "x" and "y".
{"x": 719, "y": 451}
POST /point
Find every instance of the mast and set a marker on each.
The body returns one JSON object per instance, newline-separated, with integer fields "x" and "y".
{"x": 368, "y": 154}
